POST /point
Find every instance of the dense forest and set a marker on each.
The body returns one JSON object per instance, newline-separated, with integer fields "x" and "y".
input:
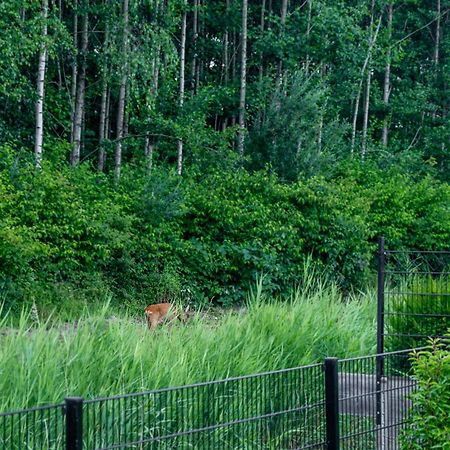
{"x": 177, "y": 149}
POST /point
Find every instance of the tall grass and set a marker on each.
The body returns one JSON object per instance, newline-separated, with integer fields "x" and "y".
{"x": 42, "y": 362}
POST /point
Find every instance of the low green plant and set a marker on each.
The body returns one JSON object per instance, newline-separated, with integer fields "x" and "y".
{"x": 429, "y": 424}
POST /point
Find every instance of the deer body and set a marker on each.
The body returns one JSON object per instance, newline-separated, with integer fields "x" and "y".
{"x": 162, "y": 312}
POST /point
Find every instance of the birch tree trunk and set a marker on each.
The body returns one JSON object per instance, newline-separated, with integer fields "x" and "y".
{"x": 366, "y": 114}
{"x": 73, "y": 89}
{"x": 122, "y": 94}
{"x": 194, "y": 46}
{"x": 39, "y": 128}
{"x": 261, "y": 29}
{"x": 368, "y": 85}
{"x": 284, "y": 5}
{"x": 242, "y": 91}
{"x": 387, "y": 78}
{"x": 226, "y": 62}
{"x": 372, "y": 42}
{"x": 308, "y": 33}
{"x": 103, "y": 105}
{"x": 81, "y": 87}
{"x": 149, "y": 154}
{"x": 437, "y": 36}
{"x": 181, "y": 87}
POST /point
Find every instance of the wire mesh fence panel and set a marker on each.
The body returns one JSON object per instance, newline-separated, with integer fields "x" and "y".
{"x": 32, "y": 429}
{"x": 416, "y": 297}
{"x": 374, "y": 400}
{"x": 279, "y": 410}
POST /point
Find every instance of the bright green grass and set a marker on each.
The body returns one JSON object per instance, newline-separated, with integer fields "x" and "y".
{"x": 44, "y": 362}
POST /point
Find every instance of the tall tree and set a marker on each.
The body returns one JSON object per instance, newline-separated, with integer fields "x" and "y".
{"x": 243, "y": 83}
{"x": 73, "y": 90}
{"x": 387, "y": 76}
{"x": 366, "y": 66}
{"x": 181, "y": 85}
{"x": 39, "y": 127}
{"x": 122, "y": 95}
{"x": 104, "y": 101}
{"x": 81, "y": 88}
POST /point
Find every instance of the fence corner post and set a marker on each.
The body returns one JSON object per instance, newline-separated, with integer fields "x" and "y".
{"x": 74, "y": 423}
{"x": 380, "y": 295}
{"x": 332, "y": 403}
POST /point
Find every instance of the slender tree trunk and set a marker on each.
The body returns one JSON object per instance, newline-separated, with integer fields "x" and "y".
{"x": 372, "y": 41}
{"x": 194, "y": 47}
{"x": 284, "y": 5}
{"x": 122, "y": 94}
{"x": 181, "y": 87}
{"x": 308, "y": 33}
{"x": 199, "y": 62}
{"x": 226, "y": 55}
{"x": 261, "y": 29}
{"x": 366, "y": 114}
{"x": 81, "y": 87}
{"x": 242, "y": 91}
{"x": 108, "y": 115}
{"x": 39, "y": 128}
{"x": 387, "y": 78}
{"x": 149, "y": 154}
{"x": 437, "y": 37}
{"x": 233, "y": 72}
{"x": 58, "y": 59}
{"x": 368, "y": 85}
{"x": 73, "y": 90}
{"x": 102, "y": 128}
{"x": 103, "y": 105}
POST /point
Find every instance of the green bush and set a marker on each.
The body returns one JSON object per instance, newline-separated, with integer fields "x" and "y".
{"x": 204, "y": 236}
{"x": 429, "y": 424}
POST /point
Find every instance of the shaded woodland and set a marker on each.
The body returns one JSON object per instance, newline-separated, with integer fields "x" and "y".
{"x": 173, "y": 146}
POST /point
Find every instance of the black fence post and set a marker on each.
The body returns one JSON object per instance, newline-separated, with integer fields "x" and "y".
{"x": 380, "y": 296}
{"x": 380, "y": 333}
{"x": 74, "y": 423}
{"x": 332, "y": 403}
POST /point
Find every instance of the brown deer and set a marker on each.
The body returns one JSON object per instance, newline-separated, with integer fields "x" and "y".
{"x": 163, "y": 312}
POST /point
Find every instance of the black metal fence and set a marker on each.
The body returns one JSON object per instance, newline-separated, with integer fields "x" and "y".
{"x": 413, "y": 297}
{"x": 35, "y": 428}
{"x": 350, "y": 404}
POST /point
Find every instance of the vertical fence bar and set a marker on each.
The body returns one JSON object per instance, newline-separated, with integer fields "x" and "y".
{"x": 332, "y": 403}
{"x": 74, "y": 423}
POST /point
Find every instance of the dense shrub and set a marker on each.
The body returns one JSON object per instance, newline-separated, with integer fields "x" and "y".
{"x": 430, "y": 420}
{"x": 205, "y": 235}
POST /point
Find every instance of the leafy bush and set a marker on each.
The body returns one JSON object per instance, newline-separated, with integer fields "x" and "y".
{"x": 205, "y": 236}
{"x": 429, "y": 424}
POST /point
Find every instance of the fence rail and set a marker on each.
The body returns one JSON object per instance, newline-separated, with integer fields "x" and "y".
{"x": 349, "y": 404}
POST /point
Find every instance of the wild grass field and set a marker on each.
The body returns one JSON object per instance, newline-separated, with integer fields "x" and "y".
{"x": 105, "y": 353}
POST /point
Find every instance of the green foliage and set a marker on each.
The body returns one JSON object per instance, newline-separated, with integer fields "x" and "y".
{"x": 207, "y": 233}
{"x": 430, "y": 419}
